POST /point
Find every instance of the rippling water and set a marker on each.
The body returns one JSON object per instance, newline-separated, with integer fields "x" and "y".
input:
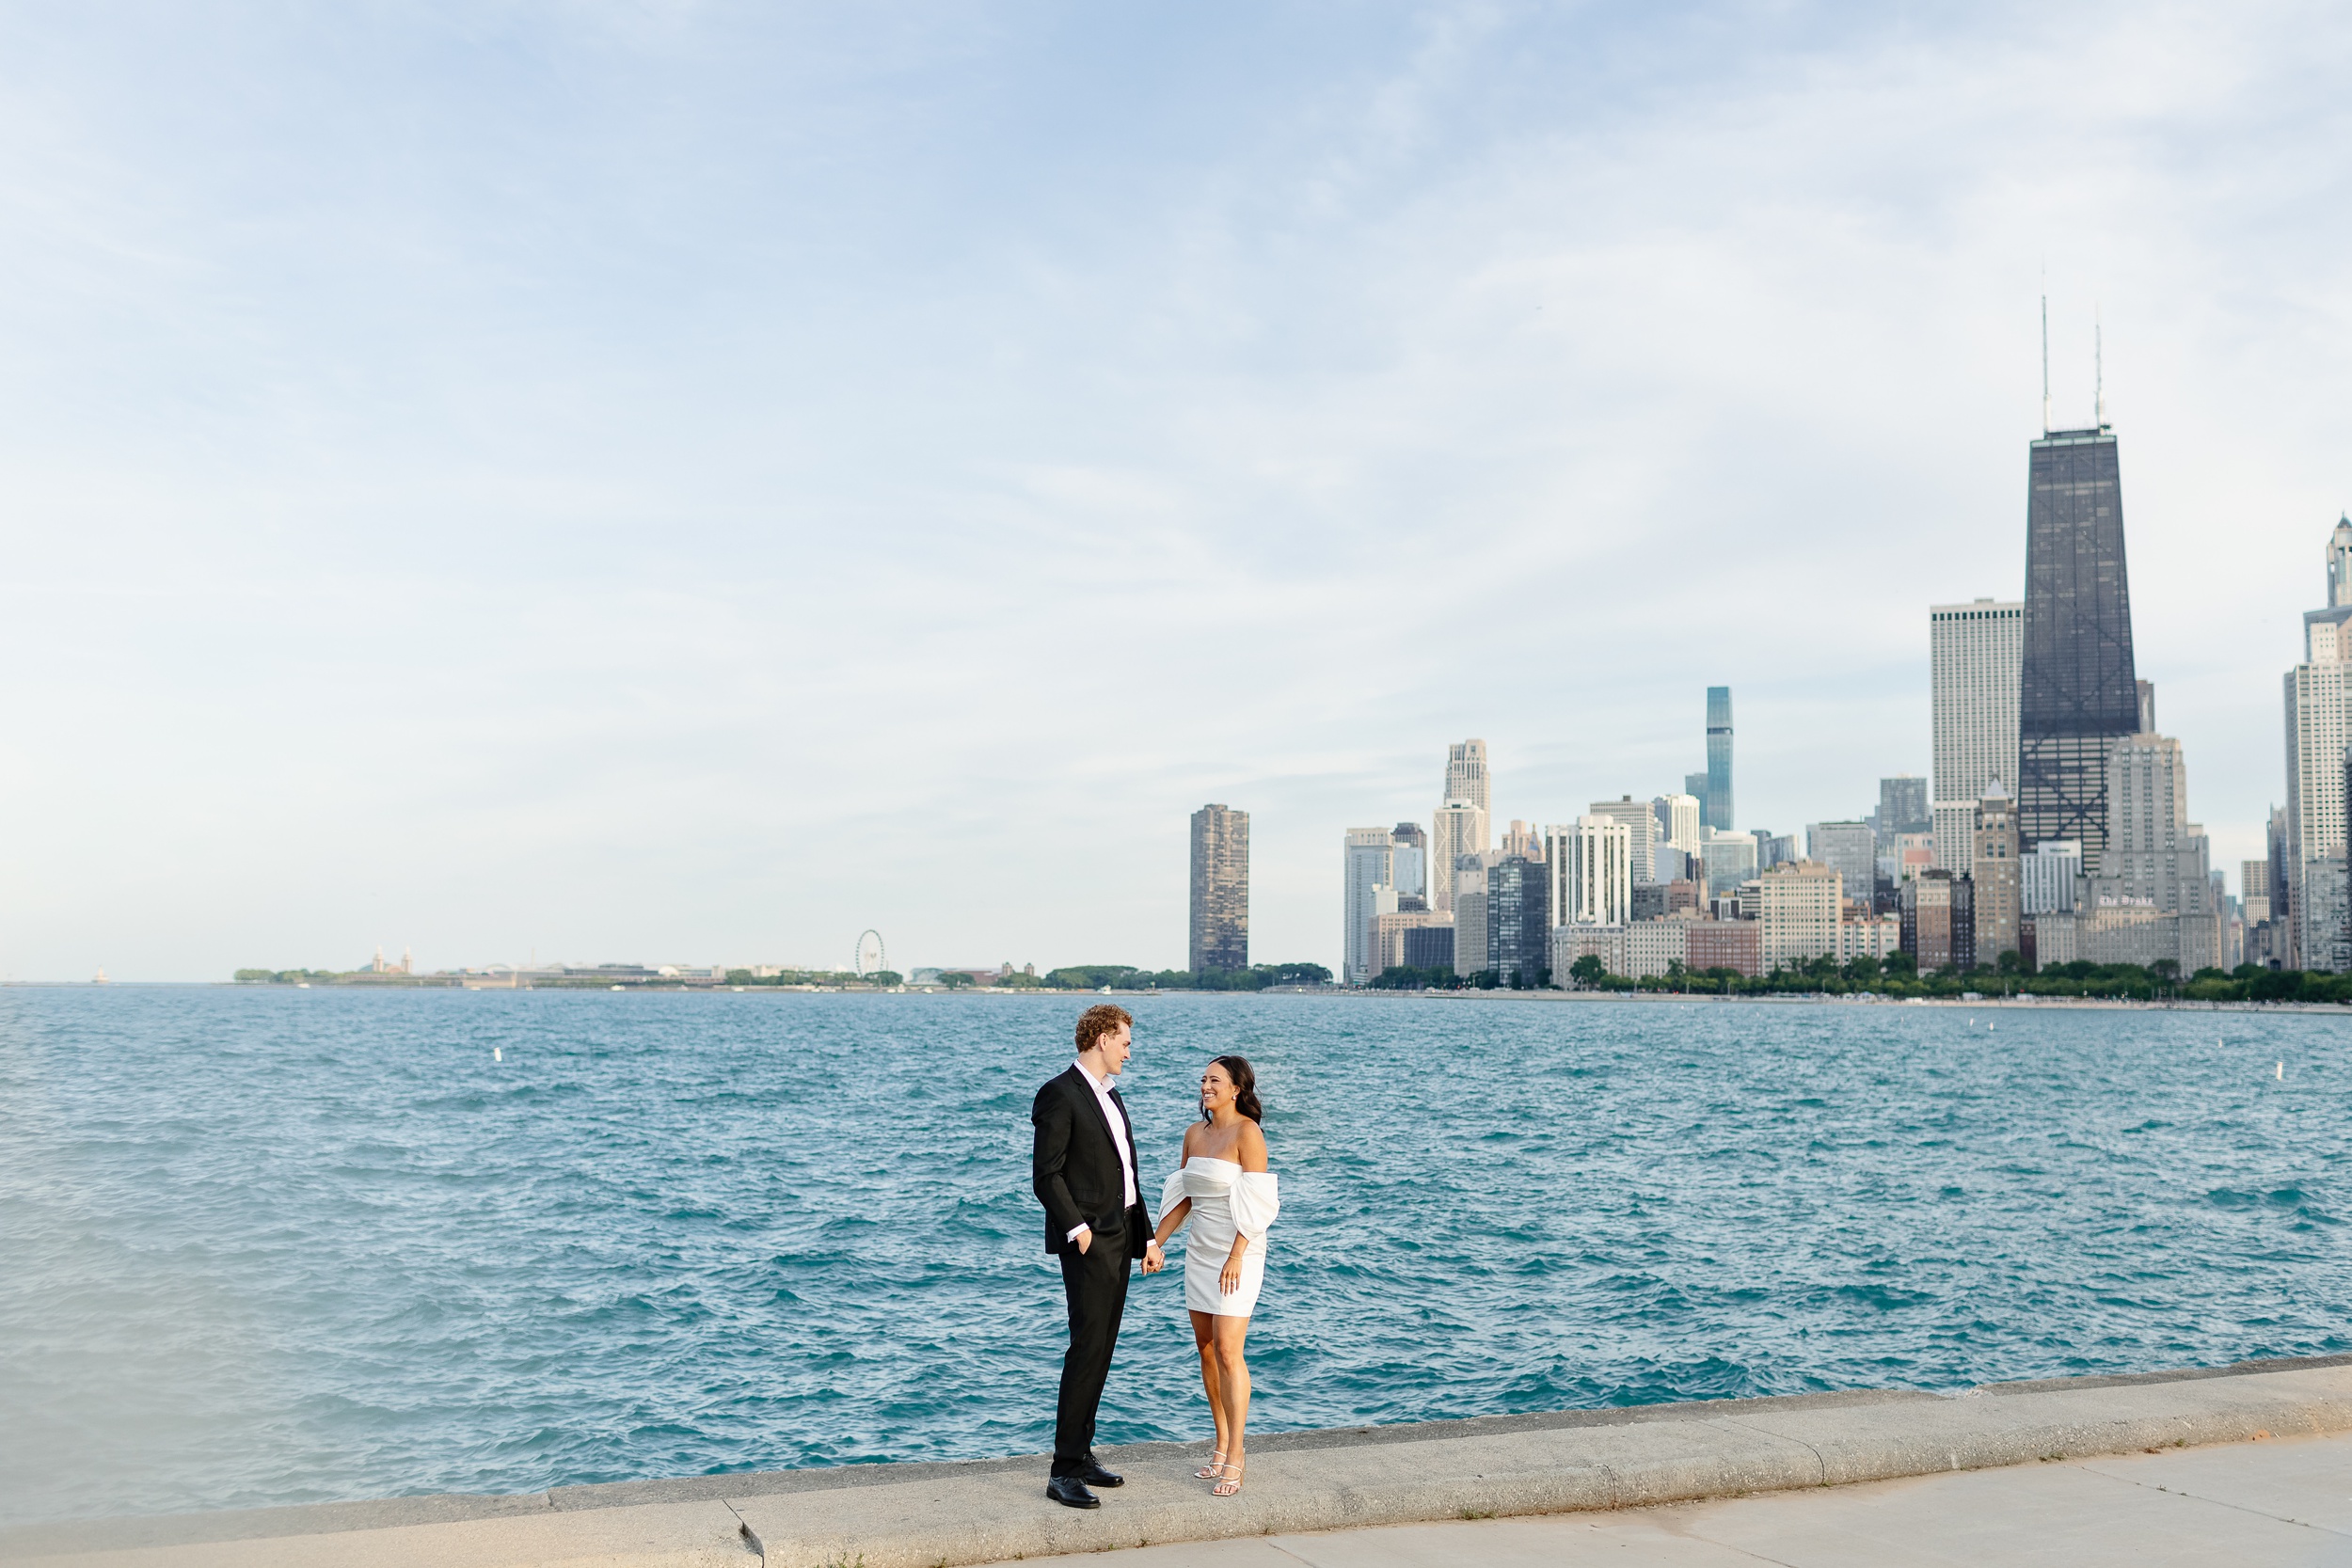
{"x": 273, "y": 1246}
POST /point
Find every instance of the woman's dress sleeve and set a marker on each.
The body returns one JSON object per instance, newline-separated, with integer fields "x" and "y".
{"x": 1256, "y": 1199}
{"x": 1172, "y": 1191}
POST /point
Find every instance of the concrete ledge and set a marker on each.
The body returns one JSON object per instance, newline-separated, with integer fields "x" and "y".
{"x": 989, "y": 1510}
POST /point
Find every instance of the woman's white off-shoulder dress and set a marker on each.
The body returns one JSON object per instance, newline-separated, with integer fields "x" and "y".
{"x": 1225, "y": 1198}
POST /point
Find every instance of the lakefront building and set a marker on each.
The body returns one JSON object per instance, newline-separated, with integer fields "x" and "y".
{"x": 1518, "y": 921}
{"x": 1718, "y": 756}
{"x": 1592, "y": 871}
{"x": 1850, "y": 849}
{"x": 1903, "y": 807}
{"x": 1938, "y": 920}
{"x": 1458, "y": 829}
{"x": 1368, "y": 894}
{"x": 2318, "y": 728}
{"x": 2049, "y": 879}
{"x": 1997, "y": 877}
{"x": 1641, "y": 825}
{"x": 2077, "y": 690}
{"x": 1219, "y": 930}
{"x": 1974, "y": 653}
{"x": 1799, "y": 909}
{"x": 1469, "y": 913}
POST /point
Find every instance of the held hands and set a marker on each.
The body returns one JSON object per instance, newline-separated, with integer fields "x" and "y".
{"x": 1154, "y": 1259}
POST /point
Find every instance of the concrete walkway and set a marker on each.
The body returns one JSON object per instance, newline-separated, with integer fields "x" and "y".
{"x": 2075, "y": 1451}
{"x": 2247, "y": 1505}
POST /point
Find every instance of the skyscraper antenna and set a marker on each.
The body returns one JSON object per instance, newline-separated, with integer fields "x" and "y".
{"x": 2045, "y": 361}
{"x": 2098, "y": 374}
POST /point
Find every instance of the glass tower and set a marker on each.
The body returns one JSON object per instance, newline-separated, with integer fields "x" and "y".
{"x": 1219, "y": 930}
{"x": 1904, "y": 806}
{"x": 1718, "y": 797}
{"x": 2076, "y": 690}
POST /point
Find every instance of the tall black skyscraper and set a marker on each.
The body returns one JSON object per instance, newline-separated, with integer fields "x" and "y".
{"x": 2077, "y": 690}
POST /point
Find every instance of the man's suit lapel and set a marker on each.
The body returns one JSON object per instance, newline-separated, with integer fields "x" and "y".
{"x": 1129, "y": 1122}
{"x": 1093, "y": 1102}
{"x": 1086, "y": 1092}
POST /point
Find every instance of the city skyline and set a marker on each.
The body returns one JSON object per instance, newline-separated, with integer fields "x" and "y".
{"x": 702, "y": 483}
{"x": 2092, "y": 856}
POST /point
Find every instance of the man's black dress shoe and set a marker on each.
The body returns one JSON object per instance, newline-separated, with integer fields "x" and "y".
{"x": 1071, "y": 1492}
{"x": 1094, "y": 1475}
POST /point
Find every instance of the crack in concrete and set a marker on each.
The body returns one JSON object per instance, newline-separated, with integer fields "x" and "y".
{"x": 1820, "y": 1464}
{"x": 2217, "y": 1502}
{"x": 750, "y": 1536}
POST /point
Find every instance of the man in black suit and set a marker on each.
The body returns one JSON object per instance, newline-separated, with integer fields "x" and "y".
{"x": 1084, "y": 1172}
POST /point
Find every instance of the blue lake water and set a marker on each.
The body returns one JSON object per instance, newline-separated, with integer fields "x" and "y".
{"x": 269, "y": 1246}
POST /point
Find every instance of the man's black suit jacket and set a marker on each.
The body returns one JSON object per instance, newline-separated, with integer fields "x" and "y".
{"x": 1075, "y": 1168}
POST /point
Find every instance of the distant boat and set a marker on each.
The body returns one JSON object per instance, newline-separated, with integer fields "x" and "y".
{"x": 99, "y": 979}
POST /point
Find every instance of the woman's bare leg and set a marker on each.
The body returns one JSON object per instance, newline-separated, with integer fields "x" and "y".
{"x": 1211, "y": 1383}
{"x": 1232, "y": 1376}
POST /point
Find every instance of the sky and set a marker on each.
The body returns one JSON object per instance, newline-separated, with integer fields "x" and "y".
{"x": 688, "y": 483}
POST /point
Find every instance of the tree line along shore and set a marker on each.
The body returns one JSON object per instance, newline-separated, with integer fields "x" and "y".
{"x": 1897, "y": 977}
{"x": 1075, "y": 977}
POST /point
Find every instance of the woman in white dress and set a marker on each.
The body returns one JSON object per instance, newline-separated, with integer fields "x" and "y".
{"x": 1223, "y": 1187}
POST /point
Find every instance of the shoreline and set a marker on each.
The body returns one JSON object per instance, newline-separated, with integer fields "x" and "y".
{"x": 944, "y": 1514}
{"x": 1319, "y": 992}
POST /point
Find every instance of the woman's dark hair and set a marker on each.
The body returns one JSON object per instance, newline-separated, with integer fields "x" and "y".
{"x": 1245, "y": 1079}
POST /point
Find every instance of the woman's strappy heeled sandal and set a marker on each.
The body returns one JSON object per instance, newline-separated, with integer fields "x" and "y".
{"x": 1214, "y": 1469}
{"x": 1230, "y": 1484}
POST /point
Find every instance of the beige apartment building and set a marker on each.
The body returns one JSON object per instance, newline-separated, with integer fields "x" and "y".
{"x": 1388, "y": 936}
{"x": 1799, "y": 908}
{"x": 1999, "y": 880}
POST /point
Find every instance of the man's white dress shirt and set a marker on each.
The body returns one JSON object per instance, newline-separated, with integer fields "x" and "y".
{"x": 1101, "y": 1087}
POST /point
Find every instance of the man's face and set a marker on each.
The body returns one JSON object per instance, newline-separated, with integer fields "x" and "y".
{"x": 1114, "y": 1048}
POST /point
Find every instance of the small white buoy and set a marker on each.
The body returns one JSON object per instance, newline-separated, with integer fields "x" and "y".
{"x": 497, "y": 1053}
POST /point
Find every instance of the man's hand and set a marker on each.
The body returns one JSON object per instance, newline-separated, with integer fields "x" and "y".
{"x": 1154, "y": 1259}
{"x": 1085, "y": 1237}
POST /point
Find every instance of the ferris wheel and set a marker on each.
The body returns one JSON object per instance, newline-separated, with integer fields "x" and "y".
{"x": 869, "y": 959}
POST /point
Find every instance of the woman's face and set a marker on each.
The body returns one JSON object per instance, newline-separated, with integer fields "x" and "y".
{"x": 1217, "y": 1088}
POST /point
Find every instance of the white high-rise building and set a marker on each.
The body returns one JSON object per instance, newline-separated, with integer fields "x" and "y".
{"x": 1679, "y": 816}
{"x": 1641, "y": 822}
{"x": 2318, "y": 727}
{"x": 1463, "y": 824}
{"x": 2049, "y": 879}
{"x": 1591, "y": 866}
{"x": 1458, "y": 829}
{"x": 1955, "y": 835}
{"x": 1370, "y": 895}
{"x": 1466, "y": 776}
{"x": 1974, "y": 652}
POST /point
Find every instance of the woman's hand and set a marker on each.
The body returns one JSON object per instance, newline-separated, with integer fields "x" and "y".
{"x": 1229, "y": 1277}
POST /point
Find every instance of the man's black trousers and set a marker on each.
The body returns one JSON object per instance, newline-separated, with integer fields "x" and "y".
{"x": 1095, "y": 1281}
